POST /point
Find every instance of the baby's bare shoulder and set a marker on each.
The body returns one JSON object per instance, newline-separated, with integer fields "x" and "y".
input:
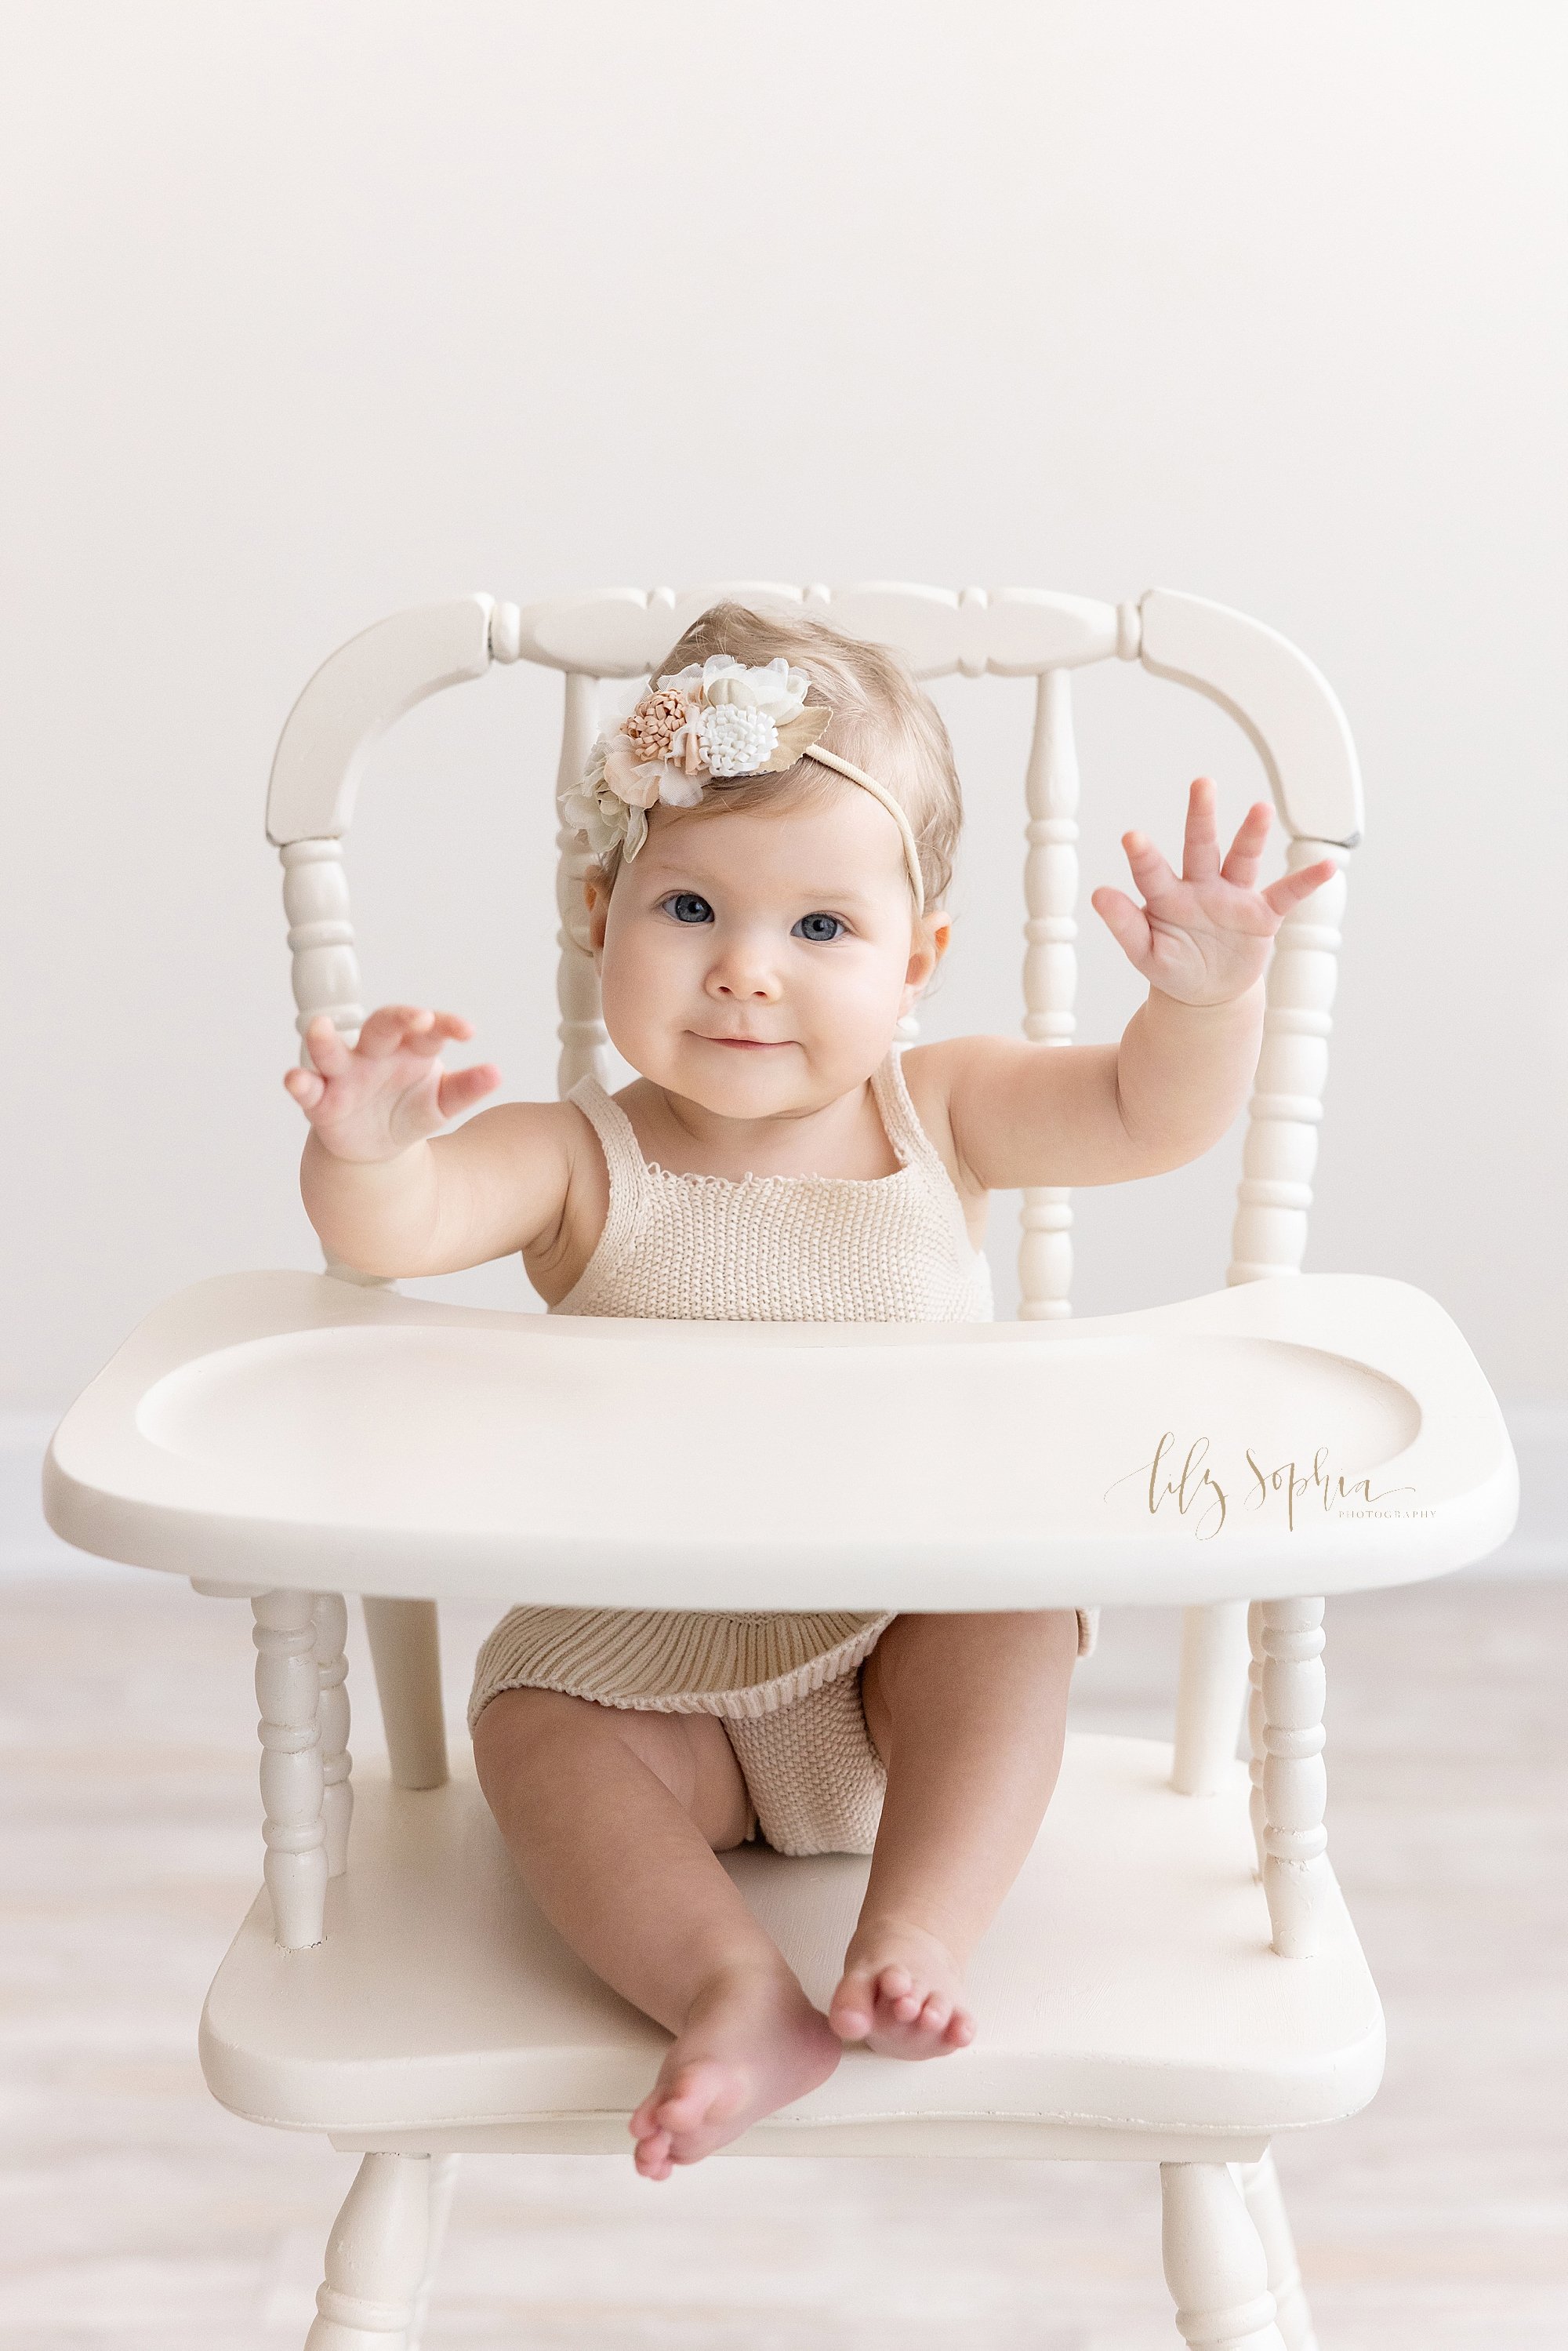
{"x": 938, "y": 1073}
{"x": 932, "y": 1073}
{"x": 516, "y": 1172}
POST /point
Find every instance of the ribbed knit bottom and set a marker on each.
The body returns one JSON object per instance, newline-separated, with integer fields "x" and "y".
{"x": 786, "y": 1686}
{"x": 815, "y": 1780}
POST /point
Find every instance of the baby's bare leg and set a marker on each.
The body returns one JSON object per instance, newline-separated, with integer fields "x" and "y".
{"x": 968, "y": 1713}
{"x": 614, "y": 1818}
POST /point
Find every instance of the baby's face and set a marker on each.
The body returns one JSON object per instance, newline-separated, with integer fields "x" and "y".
{"x": 757, "y": 963}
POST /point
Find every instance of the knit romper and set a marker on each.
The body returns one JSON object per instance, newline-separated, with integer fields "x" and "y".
{"x": 766, "y": 1248}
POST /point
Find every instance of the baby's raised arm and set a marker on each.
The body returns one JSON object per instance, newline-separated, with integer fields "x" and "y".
{"x": 387, "y": 1198}
{"x": 1024, "y": 1114}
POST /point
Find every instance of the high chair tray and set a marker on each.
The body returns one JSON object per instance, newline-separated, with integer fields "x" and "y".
{"x": 1321, "y": 1433}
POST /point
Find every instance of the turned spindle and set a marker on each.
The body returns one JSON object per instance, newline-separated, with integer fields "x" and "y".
{"x": 332, "y": 1715}
{"x": 1215, "y": 2264}
{"x": 287, "y": 1693}
{"x": 1050, "y": 974}
{"x": 1260, "y": 2186}
{"x": 1279, "y": 1155}
{"x": 376, "y": 2258}
{"x": 1295, "y": 1784}
{"x": 583, "y": 1042}
{"x": 324, "y": 965}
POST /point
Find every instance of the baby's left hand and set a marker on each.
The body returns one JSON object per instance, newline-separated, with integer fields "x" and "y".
{"x": 1204, "y": 937}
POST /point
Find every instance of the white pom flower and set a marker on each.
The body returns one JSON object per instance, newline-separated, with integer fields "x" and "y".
{"x": 735, "y": 740}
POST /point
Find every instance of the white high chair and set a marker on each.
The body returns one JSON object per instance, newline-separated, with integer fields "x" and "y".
{"x": 1174, "y": 1979}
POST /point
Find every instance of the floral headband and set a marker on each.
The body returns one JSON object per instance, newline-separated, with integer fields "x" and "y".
{"x": 713, "y": 722}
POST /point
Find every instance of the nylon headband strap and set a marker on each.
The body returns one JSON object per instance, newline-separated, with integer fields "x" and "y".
{"x": 879, "y": 792}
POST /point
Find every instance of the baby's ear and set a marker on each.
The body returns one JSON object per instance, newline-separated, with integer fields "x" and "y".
{"x": 588, "y": 930}
{"x": 933, "y": 933}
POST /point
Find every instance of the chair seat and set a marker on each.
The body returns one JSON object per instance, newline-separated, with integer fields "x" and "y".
{"x": 1127, "y": 1987}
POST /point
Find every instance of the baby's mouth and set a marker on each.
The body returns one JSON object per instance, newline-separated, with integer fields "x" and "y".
{"x": 748, "y": 1044}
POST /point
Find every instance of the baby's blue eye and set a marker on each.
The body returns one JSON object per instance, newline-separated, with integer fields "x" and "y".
{"x": 818, "y": 927}
{"x": 687, "y": 908}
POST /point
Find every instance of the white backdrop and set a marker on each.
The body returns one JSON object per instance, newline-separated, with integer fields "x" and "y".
{"x": 314, "y": 311}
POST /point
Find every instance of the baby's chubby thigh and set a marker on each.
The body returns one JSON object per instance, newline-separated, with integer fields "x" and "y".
{"x": 542, "y": 1749}
{"x": 968, "y": 1671}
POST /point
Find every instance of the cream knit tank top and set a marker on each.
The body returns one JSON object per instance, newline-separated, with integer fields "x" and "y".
{"x": 782, "y": 1249}
{"x": 807, "y": 1248}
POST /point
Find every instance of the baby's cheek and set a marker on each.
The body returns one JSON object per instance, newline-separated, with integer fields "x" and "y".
{"x": 855, "y": 1014}
{"x": 644, "y": 1005}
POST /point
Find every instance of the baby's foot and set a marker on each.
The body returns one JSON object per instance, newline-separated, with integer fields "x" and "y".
{"x": 752, "y": 2043}
{"x": 900, "y": 1993}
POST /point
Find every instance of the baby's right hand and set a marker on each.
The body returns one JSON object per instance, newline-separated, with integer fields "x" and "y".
{"x": 371, "y": 1101}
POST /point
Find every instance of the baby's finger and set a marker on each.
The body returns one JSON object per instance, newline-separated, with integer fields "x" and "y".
{"x": 1151, "y": 872}
{"x": 428, "y": 1040}
{"x": 326, "y": 1047}
{"x": 1246, "y": 853}
{"x": 305, "y": 1086}
{"x": 1291, "y": 888}
{"x": 458, "y": 1088}
{"x": 391, "y": 1027}
{"x": 1127, "y": 924}
{"x": 1200, "y": 843}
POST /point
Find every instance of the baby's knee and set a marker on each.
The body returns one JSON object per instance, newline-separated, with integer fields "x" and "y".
{"x": 1034, "y": 1650}
{"x": 517, "y": 1723}
{"x": 525, "y": 1736}
{"x": 529, "y": 1717}
{"x": 987, "y": 1637}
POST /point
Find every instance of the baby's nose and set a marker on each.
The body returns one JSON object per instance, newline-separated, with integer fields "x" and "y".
{"x": 758, "y": 984}
{"x": 738, "y": 975}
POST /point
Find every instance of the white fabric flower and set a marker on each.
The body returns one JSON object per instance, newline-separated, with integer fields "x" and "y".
{"x": 734, "y": 740}
{"x": 597, "y": 814}
{"x": 774, "y": 688}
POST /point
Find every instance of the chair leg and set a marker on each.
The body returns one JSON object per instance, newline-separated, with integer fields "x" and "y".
{"x": 443, "y": 2181}
{"x": 1259, "y": 2184}
{"x": 405, "y": 1650}
{"x": 1215, "y": 2264}
{"x": 375, "y": 2258}
{"x": 1211, "y": 1692}
{"x": 288, "y": 1695}
{"x": 333, "y": 1716}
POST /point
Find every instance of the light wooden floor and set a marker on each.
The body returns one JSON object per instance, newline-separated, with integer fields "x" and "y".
{"x": 134, "y": 2213}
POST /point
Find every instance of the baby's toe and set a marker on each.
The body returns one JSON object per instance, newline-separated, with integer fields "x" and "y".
{"x": 653, "y": 2155}
{"x": 696, "y": 2096}
{"x": 852, "y": 2008}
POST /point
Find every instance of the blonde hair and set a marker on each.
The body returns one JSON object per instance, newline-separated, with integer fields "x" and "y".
{"x": 882, "y": 720}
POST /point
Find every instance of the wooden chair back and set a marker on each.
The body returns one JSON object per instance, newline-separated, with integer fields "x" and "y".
{"x": 1280, "y": 700}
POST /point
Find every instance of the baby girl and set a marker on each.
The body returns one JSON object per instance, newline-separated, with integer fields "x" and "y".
{"x": 772, "y": 830}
